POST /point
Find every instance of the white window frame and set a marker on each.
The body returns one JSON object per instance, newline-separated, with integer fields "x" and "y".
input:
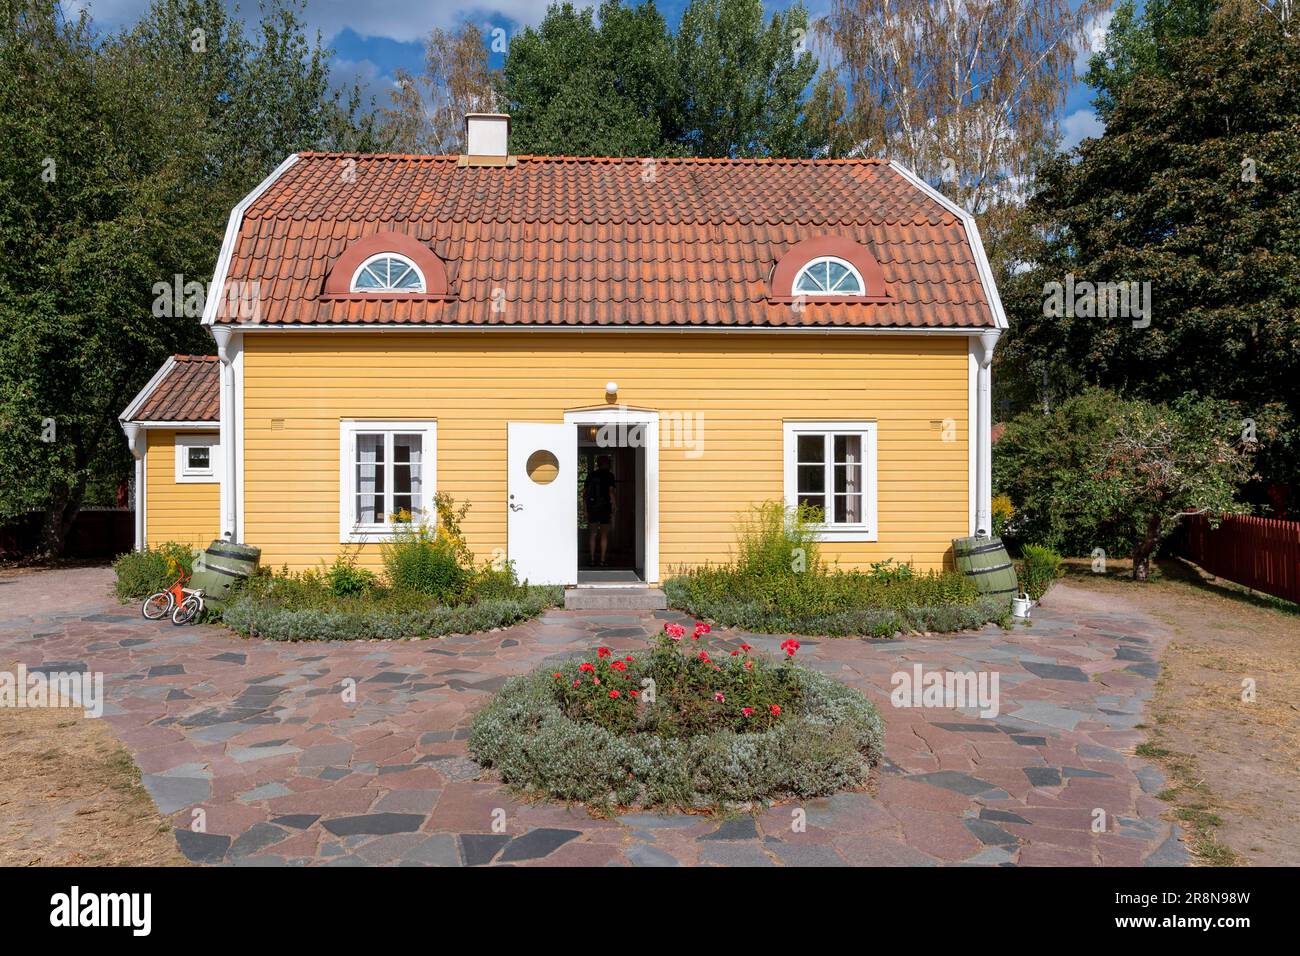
{"x": 185, "y": 475}
{"x": 352, "y": 532}
{"x": 865, "y": 530}
{"x": 794, "y": 286}
{"x": 352, "y": 286}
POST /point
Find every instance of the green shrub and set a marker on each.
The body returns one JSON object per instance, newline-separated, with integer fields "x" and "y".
{"x": 774, "y": 540}
{"x": 1039, "y": 569}
{"x": 421, "y": 560}
{"x": 544, "y": 739}
{"x": 345, "y": 579}
{"x": 141, "y": 573}
{"x": 778, "y": 584}
{"x": 490, "y": 583}
{"x": 292, "y": 609}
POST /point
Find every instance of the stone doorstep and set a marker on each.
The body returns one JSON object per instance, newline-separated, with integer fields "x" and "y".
{"x": 614, "y": 599}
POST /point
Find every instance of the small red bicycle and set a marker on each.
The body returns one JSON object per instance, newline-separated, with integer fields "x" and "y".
{"x": 182, "y": 603}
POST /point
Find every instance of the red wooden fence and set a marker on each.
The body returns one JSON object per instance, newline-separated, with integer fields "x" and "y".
{"x": 1260, "y": 553}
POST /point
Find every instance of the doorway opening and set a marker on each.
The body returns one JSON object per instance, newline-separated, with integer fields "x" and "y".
{"x": 611, "y": 486}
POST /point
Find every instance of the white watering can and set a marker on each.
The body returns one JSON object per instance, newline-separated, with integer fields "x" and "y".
{"x": 1020, "y": 605}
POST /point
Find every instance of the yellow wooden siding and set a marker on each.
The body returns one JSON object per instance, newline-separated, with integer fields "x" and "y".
{"x": 472, "y": 384}
{"x": 188, "y": 513}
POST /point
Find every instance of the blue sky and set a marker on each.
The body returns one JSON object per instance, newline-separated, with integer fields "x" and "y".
{"x": 372, "y": 39}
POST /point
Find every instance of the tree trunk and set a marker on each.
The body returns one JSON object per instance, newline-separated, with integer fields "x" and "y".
{"x": 1144, "y": 547}
{"x": 54, "y": 529}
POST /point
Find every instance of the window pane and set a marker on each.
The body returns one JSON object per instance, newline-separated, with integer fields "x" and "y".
{"x": 812, "y": 479}
{"x": 812, "y": 449}
{"x": 199, "y": 458}
{"x": 837, "y": 273}
{"x": 808, "y": 283}
{"x": 848, "y": 509}
{"x": 848, "y": 448}
{"x": 370, "y": 479}
{"x": 848, "y": 478}
{"x": 369, "y": 279}
{"x": 410, "y": 279}
{"x": 407, "y": 474}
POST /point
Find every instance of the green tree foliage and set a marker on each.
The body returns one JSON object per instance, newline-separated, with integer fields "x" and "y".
{"x": 1106, "y": 472}
{"x": 1144, "y": 42}
{"x": 743, "y": 80}
{"x": 573, "y": 86}
{"x": 617, "y": 82}
{"x": 120, "y": 158}
{"x": 1194, "y": 189}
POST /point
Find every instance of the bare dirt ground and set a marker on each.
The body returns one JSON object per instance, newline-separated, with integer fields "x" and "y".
{"x": 70, "y": 795}
{"x": 1233, "y": 765}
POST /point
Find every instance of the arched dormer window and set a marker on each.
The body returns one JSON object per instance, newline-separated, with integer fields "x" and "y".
{"x": 388, "y": 265}
{"x": 388, "y": 272}
{"x": 828, "y": 275}
{"x": 827, "y": 269}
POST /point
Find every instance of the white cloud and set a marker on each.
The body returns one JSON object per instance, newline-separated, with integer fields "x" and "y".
{"x": 1092, "y": 39}
{"x": 1078, "y": 126}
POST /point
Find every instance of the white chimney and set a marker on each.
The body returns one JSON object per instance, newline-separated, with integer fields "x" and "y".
{"x": 487, "y": 135}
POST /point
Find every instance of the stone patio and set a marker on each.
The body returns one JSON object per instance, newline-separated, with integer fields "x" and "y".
{"x": 259, "y": 741}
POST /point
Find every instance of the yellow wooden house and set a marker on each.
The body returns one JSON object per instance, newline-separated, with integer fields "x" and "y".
{"x": 714, "y": 333}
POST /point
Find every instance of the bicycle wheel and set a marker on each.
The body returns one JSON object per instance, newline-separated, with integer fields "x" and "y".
{"x": 187, "y": 610}
{"x": 156, "y": 606}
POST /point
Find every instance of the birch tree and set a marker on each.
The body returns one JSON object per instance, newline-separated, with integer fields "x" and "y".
{"x": 426, "y": 113}
{"x": 963, "y": 92}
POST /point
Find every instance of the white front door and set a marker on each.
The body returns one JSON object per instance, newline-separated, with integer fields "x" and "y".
{"x": 542, "y": 494}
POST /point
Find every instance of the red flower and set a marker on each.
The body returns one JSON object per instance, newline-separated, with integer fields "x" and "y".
{"x": 704, "y": 656}
{"x": 702, "y": 628}
{"x": 774, "y": 710}
{"x": 617, "y": 666}
{"x": 746, "y": 648}
{"x": 749, "y": 665}
{"x": 720, "y": 698}
{"x": 629, "y": 658}
{"x": 790, "y": 645}
{"x": 602, "y": 652}
{"x": 675, "y": 631}
{"x": 576, "y": 683}
{"x": 747, "y": 711}
{"x": 735, "y": 653}
{"x": 634, "y": 693}
{"x": 557, "y": 675}
{"x": 586, "y": 666}
{"x": 613, "y": 695}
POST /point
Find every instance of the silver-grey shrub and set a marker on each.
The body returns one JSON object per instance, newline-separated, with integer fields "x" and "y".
{"x": 524, "y": 736}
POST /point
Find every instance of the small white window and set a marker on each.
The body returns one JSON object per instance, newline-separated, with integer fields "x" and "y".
{"x": 198, "y": 459}
{"x": 388, "y": 272}
{"x": 831, "y": 466}
{"x": 386, "y": 473}
{"x": 827, "y": 275}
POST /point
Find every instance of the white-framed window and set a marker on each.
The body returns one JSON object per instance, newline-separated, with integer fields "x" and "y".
{"x": 198, "y": 459}
{"x": 828, "y": 275}
{"x": 386, "y": 468}
{"x": 388, "y": 272}
{"x": 831, "y": 466}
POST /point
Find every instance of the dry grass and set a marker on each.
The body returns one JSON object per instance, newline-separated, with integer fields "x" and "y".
{"x": 70, "y": 795}
{"x": 1233, "y": 764}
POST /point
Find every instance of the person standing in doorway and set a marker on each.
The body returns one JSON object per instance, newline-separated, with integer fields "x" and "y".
{"x": 598, "y": 494}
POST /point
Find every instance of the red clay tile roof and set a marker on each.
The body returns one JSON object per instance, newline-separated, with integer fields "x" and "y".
{"x": 189, "y": 392}
{"x": 600, "y": 242}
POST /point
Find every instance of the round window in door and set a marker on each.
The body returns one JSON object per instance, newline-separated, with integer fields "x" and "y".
{"x": 542, "y": 467}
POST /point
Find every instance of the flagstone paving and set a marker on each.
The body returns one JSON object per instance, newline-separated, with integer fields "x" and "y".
{"x": 347, "y": 754}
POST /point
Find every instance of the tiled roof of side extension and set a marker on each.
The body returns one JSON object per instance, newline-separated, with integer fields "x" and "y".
{"x": 559, "y": 241}
{"x": 189, "y": 392}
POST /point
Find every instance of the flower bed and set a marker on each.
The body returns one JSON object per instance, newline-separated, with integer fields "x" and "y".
{"x": 675, "y": 726}
{"x": 834, "y": 603}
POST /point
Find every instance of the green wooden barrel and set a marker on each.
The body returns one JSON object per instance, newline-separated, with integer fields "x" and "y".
{"x": 221, "y": 565}
{"x": 985, "y": 560}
